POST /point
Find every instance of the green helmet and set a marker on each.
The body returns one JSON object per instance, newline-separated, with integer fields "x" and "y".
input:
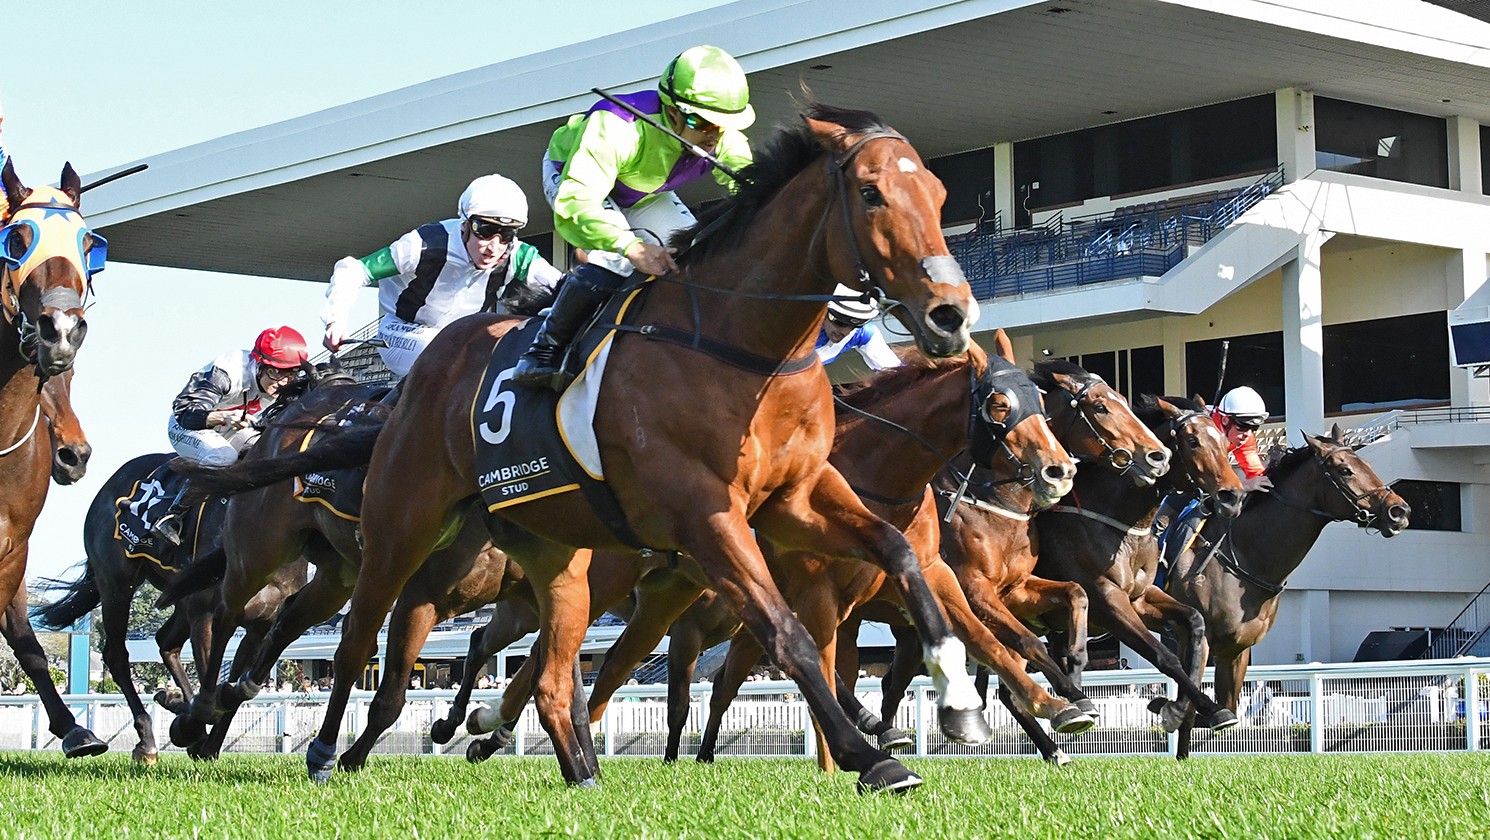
{"x": 709, "y": 82}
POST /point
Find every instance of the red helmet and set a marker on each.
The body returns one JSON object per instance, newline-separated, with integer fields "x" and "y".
{"x": 280, "y": 347}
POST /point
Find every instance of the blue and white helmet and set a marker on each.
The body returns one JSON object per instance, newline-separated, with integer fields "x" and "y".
{"x": 853, "y": 313}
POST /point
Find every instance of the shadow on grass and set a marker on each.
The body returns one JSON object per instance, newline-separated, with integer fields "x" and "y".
{"x": 35, "y": 766}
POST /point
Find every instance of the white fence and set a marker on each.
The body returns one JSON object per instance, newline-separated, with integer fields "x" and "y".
{"x": 1361, "y": 707}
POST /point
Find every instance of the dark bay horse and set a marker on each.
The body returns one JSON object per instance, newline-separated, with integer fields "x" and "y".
{"x": 112, "y": 574}
{"x": 698, "y": 449}
{"x": 990, "y": 543}
{"x": 1101, "y": 540}
{"x": 1236, "y": 571}
{"x": 47, "y": 254}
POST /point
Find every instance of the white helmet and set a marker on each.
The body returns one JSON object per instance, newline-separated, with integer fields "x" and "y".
{"x": 1244, "y": 405}
{"x": 497, "y": 198}
{"x": 854, "y": 313}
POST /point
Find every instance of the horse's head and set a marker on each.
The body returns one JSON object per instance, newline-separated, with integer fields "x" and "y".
{"x": 1199, "y": 461}
{"x": 1008, "y": 428}
{"x": 1095, "y": 422}
{"x": 1346, "y": 487}
{"x": 892, "y": 203}
{"x": 70, "y": 447}
{"x": 48, "y": 254}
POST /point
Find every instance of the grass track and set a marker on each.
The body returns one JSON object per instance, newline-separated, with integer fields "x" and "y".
{"x": 43, "y": 795}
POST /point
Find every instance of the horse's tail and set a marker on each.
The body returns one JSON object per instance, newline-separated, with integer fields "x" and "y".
{"x": 204, "y": 571}
{"x": 344, "y": 449}
{"x": 82, "y": 596}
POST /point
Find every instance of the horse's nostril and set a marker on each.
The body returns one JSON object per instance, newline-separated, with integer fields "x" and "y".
{"x": 68, "y": 457}
{"x": 1056, "y": 473}
{"x": 1158, "y": 456}
{"x": 947, "y": 318}
{"x": 1397, "y": 513}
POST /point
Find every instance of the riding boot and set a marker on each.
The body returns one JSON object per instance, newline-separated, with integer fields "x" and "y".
{"x": 585, "y": 290}
{"x": 168, "y": 526}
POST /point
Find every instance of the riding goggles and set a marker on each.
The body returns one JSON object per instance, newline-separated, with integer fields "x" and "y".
{"x": 504, "y": 229}
{"x": 696, "y": 122}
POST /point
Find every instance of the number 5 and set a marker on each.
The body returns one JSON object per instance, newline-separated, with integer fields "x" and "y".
{"x": 507, "y": 400}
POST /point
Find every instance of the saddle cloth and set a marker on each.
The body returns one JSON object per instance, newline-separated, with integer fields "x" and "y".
{"x": 136, "y": 512}
{"x": 339, "y": 491}
{"x": 532, "y": 443}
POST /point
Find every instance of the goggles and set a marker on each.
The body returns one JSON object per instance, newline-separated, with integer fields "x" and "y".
{"x": 845, "y": 321}
{"x": 503, "y": 229}
{"x": 278, "y": 374}
{"x": 697, "y": 122}
{"x": 1249, "y": 422}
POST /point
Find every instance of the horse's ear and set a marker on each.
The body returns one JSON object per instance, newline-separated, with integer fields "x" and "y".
{"x": 829, "y": 135}
{"x": 1003, "y": 346}
{"x": 1169, "y": 408}
{"x": 1315, "y": 442}
{"x": 16, "y": 193}
{"x": 72, "y": 185}
{"x": 1200, "y": 401}
{"x": 1336, "y": 435}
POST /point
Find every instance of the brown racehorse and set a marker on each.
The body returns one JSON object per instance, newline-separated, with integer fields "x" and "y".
{"x": 1101, "y": 540}
{"x": 698, "y": 449}
{"x": 1236, "y": 571}
{"x": 989, "y": 543}
{"x": 70, "y": 447}
{"x": 45, "y": 249}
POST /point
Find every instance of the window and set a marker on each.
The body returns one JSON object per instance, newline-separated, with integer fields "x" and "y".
{"x": 968, "y": 178}
{"x": 1380, "y": 142}
{"x": 1202, "y": 144}
{"x": 1386, "y": 363}
{"x": 1435, "y": 504}
{"x": 1485, "y": 159}
{"x": 1129, "y": 372}
{"x": 1255, "y": 360}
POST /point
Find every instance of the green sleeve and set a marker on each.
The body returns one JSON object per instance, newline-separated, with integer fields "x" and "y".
{"x": 607, "y": 144}
{"x": 379, "y": 265}
{"x": 733, "y": 150}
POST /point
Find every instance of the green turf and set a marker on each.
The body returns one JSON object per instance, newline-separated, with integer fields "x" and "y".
{"x": 43, "y": 795}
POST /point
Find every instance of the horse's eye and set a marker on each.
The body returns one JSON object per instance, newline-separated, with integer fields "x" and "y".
{"x": 15, "y": 244}
{"x": 872, "y": 195}
{"x": 1100, "y": 408}
{"x": 1194, "y": 442}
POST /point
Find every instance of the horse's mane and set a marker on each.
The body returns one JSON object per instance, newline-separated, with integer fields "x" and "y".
{"x": 781, "y": 158}
{"x": 1147, "y": 408}
{"x": 1047, "y": 370}
{"x": 915, "y": 368}
{"x": 1287, "y": 459}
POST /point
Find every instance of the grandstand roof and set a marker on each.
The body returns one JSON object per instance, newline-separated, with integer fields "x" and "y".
{"x": 953, "y": 75}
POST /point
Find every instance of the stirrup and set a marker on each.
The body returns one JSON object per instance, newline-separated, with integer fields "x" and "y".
{"x": 169, "y": 528}
{"x": 539, "y": 367}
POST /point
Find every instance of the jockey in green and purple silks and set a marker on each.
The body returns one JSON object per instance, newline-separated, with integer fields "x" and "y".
{"x": 611, "y": 177}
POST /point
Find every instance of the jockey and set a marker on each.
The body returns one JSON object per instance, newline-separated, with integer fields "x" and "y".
{"x": 443, "y": 271}
{"x": 610, "y": 177}
{"x": 1238, "y": 416}
{"x": 212, "y": 418}
{"x": 847, "y": 328}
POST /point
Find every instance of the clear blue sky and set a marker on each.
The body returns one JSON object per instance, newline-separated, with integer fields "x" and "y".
{"x": 104, "y": 83}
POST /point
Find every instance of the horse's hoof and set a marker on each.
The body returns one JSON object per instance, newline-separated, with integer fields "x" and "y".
{"x": 704, "y": 758}
{"x": 895, "y": 739}
{"x": 350, "y": 765}
{"x": 1058, "y": 758}
{"x": 964, "y": 726}
{"x": 1172, "y": 716}
{"x": 147, "y": 759}
{"x": 482, "y": 720}
{"x": 502, "y": 738}
{"x": 185, "y": 732}
{"x": 1223, "y": 719}
{"x": 888, "y": 775}
{"x": 198, "y": 752}
{"x": 320, "y": 761}
{"x": 478, "y": 751}
{"x": 1072, "y": 721}
{"x": 441, "y": 731}
{"x": 172, "y": 701}
{"x": 1156, "y": 705}
{"x": 591, "y": 782}
{"x": 1086, "y": 705}
{"x": 81, "y": 743}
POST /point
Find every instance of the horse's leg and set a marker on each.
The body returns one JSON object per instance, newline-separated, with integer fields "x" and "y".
{"x": 560, "y": 581}
{"x": 116, "y": 658}
{"x": 744, "y": 652}
{"x": 797, "y": 520}
{"x": 1049, "y": 750}
{"x": 512, "y": 619}
{"x": 1035, "y": 597}
{"x": 726, "y": 550}
{"x": 904, "y": 664}
{"x": 820, "y": 612}
{"x": 408, "y": 628}
{"x": 684, "y": 645}
{"x": 888, "y": 736}
{"x": 1158, "y": 610}
{"x": 15, "y": 625}
{"x": 973, "y": 623}
{"x": 1116, "y": 612}
{"x": 170, "y": 638}
{"x": 659, "y": 605}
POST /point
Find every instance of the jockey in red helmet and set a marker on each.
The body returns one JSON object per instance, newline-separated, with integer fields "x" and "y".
{"x": 212, "y": 419}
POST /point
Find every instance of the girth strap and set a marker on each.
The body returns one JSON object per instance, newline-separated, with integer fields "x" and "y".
{"x": 1130, "y": 530}
{"x": 988, "y": 506}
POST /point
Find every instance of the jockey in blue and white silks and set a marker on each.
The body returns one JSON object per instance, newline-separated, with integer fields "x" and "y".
{"x": 443, "y": 271}
{"x": 847, "y": 328}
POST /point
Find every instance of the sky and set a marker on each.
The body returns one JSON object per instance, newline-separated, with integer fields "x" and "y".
{"x": 105, "y": 83}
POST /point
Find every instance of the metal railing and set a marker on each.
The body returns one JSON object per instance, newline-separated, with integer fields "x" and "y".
{"x": 1353, "y": 707}
{"x": 1142, "y": 242}
{"x": 1467, "y": 635}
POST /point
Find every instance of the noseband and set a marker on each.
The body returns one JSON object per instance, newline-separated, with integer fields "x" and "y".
{"x": 1121, "y": 460}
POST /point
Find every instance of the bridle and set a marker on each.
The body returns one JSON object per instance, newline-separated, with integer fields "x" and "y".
{"x": 1119, "y": 459}
{"x": 1187, "y": 470}
{"x": 56, "y": 297}
{"x": 1364, "y": 516}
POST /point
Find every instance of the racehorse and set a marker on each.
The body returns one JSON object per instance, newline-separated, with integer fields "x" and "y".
{"x": 1235, "y": 572}
{"x": 701, "y": 438}
{"x": 988, "y": 541}
{"x": 70, "y": 448}
{"x": 114, "y": 571}
{"x": 1102, "y": 541}
{"x": 47, "y": 254}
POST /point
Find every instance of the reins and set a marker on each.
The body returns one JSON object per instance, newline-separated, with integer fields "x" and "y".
{"x": 35, "y": 420}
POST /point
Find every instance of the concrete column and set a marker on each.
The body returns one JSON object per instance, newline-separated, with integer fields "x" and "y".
{"x": 561, "y": 252}
{"x": 1303, "y": 339}
{"x": 1174, "y": 364}
{"x": 1466, "y": 272}
{"x": 1314, "y": 625}
{"x": 1295, "y": 126}
{"x": 1003, "y": 183}
{"x": 1464, "y": 156}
